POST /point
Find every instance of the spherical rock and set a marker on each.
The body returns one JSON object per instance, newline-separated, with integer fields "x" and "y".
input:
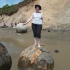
{"x": 20, "y": 28}
{"x": 34, "y": 58}
{"x": 3, "y": 26}
{"x": 5, "y": 59}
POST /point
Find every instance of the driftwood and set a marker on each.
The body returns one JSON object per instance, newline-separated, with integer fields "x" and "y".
{"x": 5, "y": 59}
{"x": 34, "y": 58}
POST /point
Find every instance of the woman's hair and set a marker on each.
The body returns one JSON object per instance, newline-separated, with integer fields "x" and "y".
{"x": 38, "y": 6}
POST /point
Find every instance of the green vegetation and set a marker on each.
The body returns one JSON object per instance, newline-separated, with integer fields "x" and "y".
{"x": 10, "y": 10}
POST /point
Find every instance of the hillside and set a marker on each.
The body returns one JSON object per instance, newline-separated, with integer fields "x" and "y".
{"x": 56, "y": 13}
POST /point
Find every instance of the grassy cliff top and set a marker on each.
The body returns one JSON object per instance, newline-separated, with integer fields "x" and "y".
{"x": 10, "y": 10}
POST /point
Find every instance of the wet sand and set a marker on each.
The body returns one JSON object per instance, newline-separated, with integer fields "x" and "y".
{"x": 53, "y": 40}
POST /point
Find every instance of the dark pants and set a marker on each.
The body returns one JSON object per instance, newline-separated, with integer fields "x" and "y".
{"x": 37, "y": 30}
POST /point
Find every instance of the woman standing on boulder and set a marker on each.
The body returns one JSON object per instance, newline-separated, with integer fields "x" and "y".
{"x": 37, "y": 18}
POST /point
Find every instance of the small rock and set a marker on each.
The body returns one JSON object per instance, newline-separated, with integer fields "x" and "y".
{"x": 48, "y": 19}
{"x": 19, "y": 34}
{"x": 9, "y": 32}
{"x": 48, "y": 30}
{"x": 44, "y": 29}
{"x": 14, "y": 27}
{"x": 56, "y": 51}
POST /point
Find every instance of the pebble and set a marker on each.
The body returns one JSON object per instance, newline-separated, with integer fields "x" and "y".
{"x": 9, "y": 32}
{"x": 19, "y": 34}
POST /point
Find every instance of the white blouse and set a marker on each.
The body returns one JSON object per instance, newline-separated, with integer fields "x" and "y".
{"x": 37, "y": 18}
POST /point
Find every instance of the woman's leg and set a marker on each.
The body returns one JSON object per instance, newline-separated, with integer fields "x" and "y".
{"x": 35, "y": 41}
{"x": 39, "y": 45}
{"x": 34, "y": 28}
{"x": 39, "y": 28}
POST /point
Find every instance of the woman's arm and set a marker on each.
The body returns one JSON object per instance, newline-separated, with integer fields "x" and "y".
{"x": 42, "y": 18}
{"x": 28, "y": 20}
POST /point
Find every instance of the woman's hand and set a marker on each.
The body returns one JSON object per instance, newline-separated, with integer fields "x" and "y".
{"x": 24, "y": 23}
{"x": 28, "y": 20}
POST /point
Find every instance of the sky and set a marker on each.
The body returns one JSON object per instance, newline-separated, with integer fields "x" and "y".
{"x": 9, "y": 2}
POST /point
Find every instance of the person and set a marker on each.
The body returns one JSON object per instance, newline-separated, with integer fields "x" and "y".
{"x": 15, "y": 23}
{"x": 11, "y": 24}
{"x": 4, "y": 24}
{"x": 37, "y": 20}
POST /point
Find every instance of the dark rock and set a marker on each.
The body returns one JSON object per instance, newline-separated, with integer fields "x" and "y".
{"x": 21, "y": 31}
{"x": 34, "y": 58}
{"x": 4, "y": 26}
{"x": 48, "y": 19}
{"x": 5, "y": 59}
{"x": 56, "y": 51}
{"x": 43, "y": 29}
{"x": 48, "y": 30}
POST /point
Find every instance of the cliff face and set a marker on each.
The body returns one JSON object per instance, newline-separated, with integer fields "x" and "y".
{"x": 56, "y": 13}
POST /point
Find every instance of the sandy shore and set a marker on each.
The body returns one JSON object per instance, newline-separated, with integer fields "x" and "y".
{"x": 53, "y": 40}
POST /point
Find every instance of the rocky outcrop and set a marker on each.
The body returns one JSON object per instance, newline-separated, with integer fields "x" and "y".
{"x": 5, "y": 58}
{"x": 34, "y": 58}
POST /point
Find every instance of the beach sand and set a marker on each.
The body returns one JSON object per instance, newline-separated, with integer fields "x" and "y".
{"x": 53, "y": 40}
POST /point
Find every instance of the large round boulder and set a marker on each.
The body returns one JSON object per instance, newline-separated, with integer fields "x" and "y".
{"x": 5, "y": 59}
{"x": 2, "y": 25}
{"x": 20, "y": 28}
{"x": 34, "y": 58}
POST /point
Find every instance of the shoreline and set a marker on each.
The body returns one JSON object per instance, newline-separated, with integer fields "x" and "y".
{"x": 53, "y": 40}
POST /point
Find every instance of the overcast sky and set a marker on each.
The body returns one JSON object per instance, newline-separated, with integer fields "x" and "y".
{"x": 10, "y": 2}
